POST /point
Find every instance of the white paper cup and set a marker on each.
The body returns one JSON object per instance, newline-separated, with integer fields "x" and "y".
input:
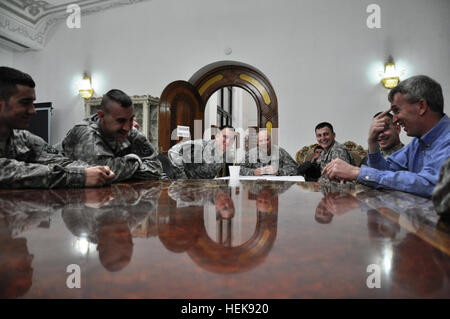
{"x": 234, "y": 171}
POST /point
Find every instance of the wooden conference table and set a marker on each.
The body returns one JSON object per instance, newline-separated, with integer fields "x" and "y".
{"x": 207, "y": 239}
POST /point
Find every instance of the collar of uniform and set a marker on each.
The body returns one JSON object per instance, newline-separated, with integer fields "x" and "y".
{"x": 210, "y": 152}
{"x": 114, "y": 144}
{"x": 332, "y": 146}
{"x": 274, "y": 151}
{"x": 393, "y": 149}
{"x": 437, "y": 130}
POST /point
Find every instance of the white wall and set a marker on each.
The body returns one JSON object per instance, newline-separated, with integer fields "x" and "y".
{"x": 319, "y": 55}
{"x": 6, "y": 57}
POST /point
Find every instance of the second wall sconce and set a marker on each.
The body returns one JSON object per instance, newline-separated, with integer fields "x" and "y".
{"x": 85, "y": 87}
{"x": 391, "y": 76}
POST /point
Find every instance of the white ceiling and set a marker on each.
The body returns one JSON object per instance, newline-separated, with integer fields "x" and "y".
{"x": 24, "y": 24}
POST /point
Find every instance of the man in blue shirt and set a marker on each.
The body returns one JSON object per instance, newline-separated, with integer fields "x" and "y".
{"x": 418, "y": 107}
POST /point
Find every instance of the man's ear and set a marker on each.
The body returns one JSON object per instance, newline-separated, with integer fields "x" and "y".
{"x": 423, "y": 106}
{"x": 398, "y": 128}
{"x": 100, "y": 113}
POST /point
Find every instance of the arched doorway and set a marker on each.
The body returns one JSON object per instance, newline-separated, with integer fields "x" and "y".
{"x": 191, "y": 96}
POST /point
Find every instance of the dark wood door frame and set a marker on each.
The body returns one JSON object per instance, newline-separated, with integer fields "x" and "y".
{"x": 208, "y": 80}
{"x": 220, "y": 74}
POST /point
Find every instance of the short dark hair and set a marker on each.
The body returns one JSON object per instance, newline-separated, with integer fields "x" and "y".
{"x": 421, "y": 87}
{"x": 318, "y": 147}
{"x": 117, "y": 96}
{"x": 226, "y": 126}
{"x": 324, "y": 124}
{"x": 387, "y": 114}
{"x": 9, "y": 79}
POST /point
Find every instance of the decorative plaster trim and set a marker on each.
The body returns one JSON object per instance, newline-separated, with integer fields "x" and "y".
{"x": 34, "y": 36}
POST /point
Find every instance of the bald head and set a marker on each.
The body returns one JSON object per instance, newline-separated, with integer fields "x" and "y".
{"x": 264, "y": 140}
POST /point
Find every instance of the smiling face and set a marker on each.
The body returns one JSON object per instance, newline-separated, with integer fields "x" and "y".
{"x": 390, "y": 136}
{"x": 325, "y": 137}
{"x": 117, "y": 121}
{"x": 224, "y": 205}
{"x": 264, "y": 141}
{"x": 407, "y": 115}
{"x": 115, "y": 245}
{"x": 225, "y": 138}
{"x": 17, "y": 111}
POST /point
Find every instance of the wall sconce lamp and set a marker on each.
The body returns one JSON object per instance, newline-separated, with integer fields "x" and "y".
{"x": 85, "y": 87}
{"x": 391, "y": 76}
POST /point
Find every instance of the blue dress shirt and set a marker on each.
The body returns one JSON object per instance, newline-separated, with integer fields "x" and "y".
{"x": 414, "y": 168}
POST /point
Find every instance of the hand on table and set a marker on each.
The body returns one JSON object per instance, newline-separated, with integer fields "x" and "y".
{"x": 98, "y": 176}
{"x": 340, "y": 171}
{"x": 266, "y": 170}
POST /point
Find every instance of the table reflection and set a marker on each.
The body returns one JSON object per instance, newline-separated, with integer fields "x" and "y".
{"x": 145, "y": 238}
{"x": 336, "y": 201}
{"x": 185, "y": 229}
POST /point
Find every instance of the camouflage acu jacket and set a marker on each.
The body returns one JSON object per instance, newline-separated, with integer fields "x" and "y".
{"x": 196, "y": 194}
{"x": 133, "y": 158}
{"x": 199, "y": 158}
{"x": 279, "y": 159}
{"x": 386, "y": 153}
{"x": 337, "y": 150}
{"x": 27, "y": 161}
{"x": 441, "y": 193}
{"x": 133, "y": 206}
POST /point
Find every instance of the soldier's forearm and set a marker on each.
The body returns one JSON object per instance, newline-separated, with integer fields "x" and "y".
{"x": 123, "y": 167}
{"x": 16, "y": 174}
{"x": 246, "y": 171}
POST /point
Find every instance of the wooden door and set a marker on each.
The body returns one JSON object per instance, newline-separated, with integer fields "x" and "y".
{"x": 180, "y": 104}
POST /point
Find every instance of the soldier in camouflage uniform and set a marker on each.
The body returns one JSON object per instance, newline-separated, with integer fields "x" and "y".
{"x": 109, "y": 138}
{"x": 200, "y": 159}
{"x": 441, "y": 194}
{"x": 388, "y": 140}
{"x": 325, "y": 136}
{"x": 107, "y": 217}
{"x": 26, "y": 159}
{"x": 216, "y": 194}
{"x": 268, "y": 159}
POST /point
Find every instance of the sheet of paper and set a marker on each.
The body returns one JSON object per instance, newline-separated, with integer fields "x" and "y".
{"x": 269, "y": 178}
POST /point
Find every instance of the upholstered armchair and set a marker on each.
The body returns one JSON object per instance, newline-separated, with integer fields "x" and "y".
{"x": 358, "y": 152}
{"x": 306, "y": 153}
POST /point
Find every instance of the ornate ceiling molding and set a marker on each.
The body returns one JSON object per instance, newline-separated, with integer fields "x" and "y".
{"x": 25, "y": 24}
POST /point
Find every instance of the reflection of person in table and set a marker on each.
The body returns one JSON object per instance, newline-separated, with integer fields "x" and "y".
{"x": 115, "y": 246}
{"x": 335, "y": 202}
{"x": 108, "y": 216}
{"x": 224, "y": 205}
{"x": 266, "y": 201}
{"x": 322, "y": 215}
{"x": 16, "y": 273}
{"x": 380, "y": 226}
{"x": 268, "y": 159}
{"x": 200, "y": 194}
